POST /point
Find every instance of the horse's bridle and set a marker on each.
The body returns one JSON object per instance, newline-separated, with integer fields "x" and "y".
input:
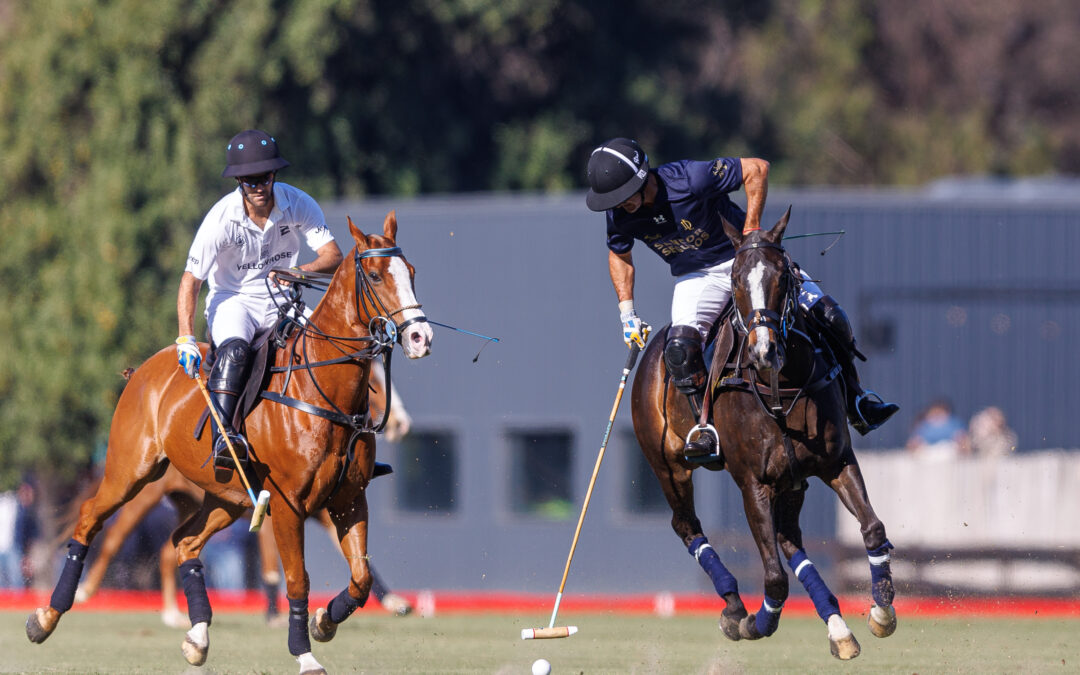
{"x": 381, "y": 323}
{"x": 383, "y": 333}
{"x": 778, "y": 323}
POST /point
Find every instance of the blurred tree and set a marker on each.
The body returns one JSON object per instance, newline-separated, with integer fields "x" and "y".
{"x": 114, "y": 115}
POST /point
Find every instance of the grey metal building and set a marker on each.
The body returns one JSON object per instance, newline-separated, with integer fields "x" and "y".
{"x": 964, "y": 291}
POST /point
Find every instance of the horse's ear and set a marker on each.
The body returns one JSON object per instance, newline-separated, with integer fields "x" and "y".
{"x": 733, "y": 233}
{"x": 777, "y": 232}
{"x": 357, "y": 235}
{"x": 389, "y": 226}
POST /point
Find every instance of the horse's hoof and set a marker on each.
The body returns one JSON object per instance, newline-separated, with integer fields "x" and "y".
{"x": 322, "y": 628}
{"x": 882, "y": 621}
{"x": 748, "y": 628}
{"x": 309, "y": 666}
{"x": 196, "y": 644}
{"x": 846, "y": 648}
{"x": 729, "y": 623}
{"x": 41, "y": 623}
{"x": 392, "y": 602}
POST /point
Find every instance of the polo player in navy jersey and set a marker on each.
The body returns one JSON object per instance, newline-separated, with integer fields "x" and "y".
{"x": 676, "y": 210}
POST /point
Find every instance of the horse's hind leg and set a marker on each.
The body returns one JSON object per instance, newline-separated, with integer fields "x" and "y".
{"x": 121, "y": 482}
{"x": 842, "y": 642}
{"x": 678, "y": 487}
{"x": 190, "y": 538}
{"x": 851, "y": 489}
{"x": 127, "y": 519}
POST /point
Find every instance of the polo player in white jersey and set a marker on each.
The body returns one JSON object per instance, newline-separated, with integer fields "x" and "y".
{"x": 257, "y": 226}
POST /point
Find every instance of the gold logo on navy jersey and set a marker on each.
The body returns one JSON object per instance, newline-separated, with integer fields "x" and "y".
{"x": 651, "y": 237}
{"x": 687, "y": 225}
{"x": 719, "y": 168}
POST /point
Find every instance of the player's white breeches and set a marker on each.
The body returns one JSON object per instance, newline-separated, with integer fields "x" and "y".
{"x": 239, "y": 316}
{"x": 699, "y": 297}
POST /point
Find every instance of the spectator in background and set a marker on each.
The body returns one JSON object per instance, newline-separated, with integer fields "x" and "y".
{"x": 939, "y": 433}
{"x": 18, "y": 529}
{"x": 990, "y": 433}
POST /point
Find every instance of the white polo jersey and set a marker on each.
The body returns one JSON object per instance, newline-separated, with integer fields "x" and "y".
{"x": 234, "y": 256}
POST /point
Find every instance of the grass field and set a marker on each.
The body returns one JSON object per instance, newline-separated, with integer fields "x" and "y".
{"x": 87, "y": 642}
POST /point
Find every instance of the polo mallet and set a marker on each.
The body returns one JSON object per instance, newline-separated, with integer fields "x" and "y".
{"x": 553, "y": 631}
{"x": 258, "y": 505}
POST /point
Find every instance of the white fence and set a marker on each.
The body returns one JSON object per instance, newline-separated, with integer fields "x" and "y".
{"x": 1009, "y": 524}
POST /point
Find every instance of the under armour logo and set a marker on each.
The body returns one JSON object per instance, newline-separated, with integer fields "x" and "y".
{"x": 660, "y": 219}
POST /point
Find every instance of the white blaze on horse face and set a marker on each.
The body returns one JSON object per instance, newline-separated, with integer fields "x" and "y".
{"x": 416, "y": 340}
{"x": 760, "y": 349}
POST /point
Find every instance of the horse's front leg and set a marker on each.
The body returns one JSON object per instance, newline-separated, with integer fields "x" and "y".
{"x": 851, "y": 489}
{"x": 842, "y": 642}
{"x": 758, "y": 504}
{"x": 350, "y": 523}
{"x": 289, "y": 536}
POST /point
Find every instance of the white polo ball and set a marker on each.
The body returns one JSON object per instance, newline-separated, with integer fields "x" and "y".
{"x": 541, "y": 667}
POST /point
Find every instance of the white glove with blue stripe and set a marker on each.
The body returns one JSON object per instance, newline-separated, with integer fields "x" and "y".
{"x": 188, "y": 355}
{"x": 631, "y": 322}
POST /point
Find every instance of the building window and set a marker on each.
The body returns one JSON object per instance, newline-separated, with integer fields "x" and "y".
{"x": 541, "y": 464}
{"x": 427, "y": 472}
{"x": 643, "y": 494}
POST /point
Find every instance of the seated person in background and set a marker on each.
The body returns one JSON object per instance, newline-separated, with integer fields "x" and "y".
{"x": 939, "y": 432}
{"x": 990, "y": 433}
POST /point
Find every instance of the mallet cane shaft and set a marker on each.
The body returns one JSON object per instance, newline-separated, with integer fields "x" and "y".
{"x": 553, "y": 631}
{"x": 258, "y": 505}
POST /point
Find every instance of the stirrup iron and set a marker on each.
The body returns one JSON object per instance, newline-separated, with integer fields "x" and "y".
{"x": 696, "y": 431}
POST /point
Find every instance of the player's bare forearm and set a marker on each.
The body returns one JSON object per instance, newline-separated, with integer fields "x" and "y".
{"x": 186, "y": 299}
{"x": 327, "y": 259}
{"x": 756, "y": 183}
{"x": 621, "y": 268}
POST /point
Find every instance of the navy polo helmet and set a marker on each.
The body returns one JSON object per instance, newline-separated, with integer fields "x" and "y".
{"x": 251, "y": 153}
{"x": 617, "y": 169}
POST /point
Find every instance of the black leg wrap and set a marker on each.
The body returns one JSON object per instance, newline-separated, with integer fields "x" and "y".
{"x": 64, "y": 594}
{"x": 299, "y": 640}
{"x": 342, "y": 606}
{"x": 191, "y": 574}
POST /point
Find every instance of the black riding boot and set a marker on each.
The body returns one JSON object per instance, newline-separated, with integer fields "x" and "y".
{"x": 226, "y": 382}
{"x": 686, "y": 366}
{"x": 866, "y": 410}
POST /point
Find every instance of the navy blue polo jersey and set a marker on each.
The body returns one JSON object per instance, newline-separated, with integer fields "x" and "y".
{"x": 683, "y": 225}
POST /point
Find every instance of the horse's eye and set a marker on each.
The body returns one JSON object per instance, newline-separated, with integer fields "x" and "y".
{"x": 373, "y": 277}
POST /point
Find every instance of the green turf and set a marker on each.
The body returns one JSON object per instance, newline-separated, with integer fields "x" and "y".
{"x": 380, "y": 643}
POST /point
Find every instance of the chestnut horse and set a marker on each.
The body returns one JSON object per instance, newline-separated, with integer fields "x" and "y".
{"x": 780, "y": 414}
{"x": 186, "y": 497}
{"x": 312, "y": 444}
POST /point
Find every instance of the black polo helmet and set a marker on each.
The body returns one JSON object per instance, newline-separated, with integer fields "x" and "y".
{"x": 617, "y": 169}
{"x": 251, "y": 153}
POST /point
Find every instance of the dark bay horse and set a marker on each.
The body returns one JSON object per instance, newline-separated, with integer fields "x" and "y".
{"x": 186, "y": 497}
{"x": 313, "y": 446}
{"x": 779, "y": 411}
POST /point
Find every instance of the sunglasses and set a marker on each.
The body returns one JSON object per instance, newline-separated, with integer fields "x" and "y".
{"x": 257, "y": 181}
